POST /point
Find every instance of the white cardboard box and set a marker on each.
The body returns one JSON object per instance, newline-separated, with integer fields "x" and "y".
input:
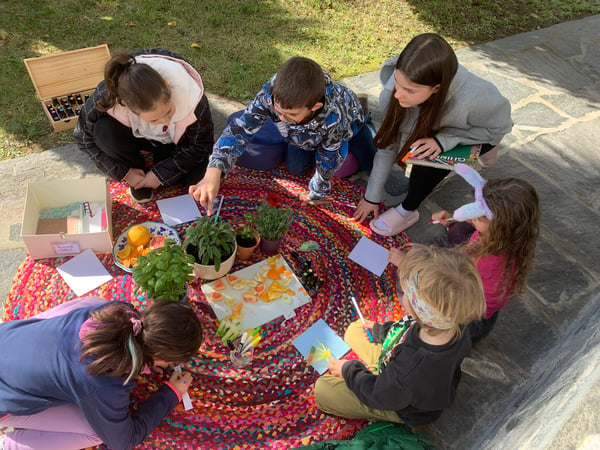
{"x": 51, "y": 194}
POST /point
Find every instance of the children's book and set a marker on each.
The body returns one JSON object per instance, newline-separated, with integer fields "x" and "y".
{"x": 318, "y": 344}
{"x": 465, "y": 154}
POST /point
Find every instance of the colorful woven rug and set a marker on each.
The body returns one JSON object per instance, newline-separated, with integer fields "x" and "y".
{"x": 268, "y": 404}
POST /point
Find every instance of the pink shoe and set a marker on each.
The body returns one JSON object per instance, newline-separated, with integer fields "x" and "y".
{"x": 395, "y": 221}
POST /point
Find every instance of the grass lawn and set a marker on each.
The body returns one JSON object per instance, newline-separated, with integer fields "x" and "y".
{"x": 238, "y": 44}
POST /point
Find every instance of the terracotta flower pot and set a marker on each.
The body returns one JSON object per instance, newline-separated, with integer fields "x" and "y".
{"x": 244, "y": 253}
{"x": 270, "y": 247}
{"x": 209, "y": 272}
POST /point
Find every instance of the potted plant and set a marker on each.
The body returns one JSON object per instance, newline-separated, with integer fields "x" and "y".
{"x": 247, "y": 239}
{"x": 271, "y": 222}
{"x": 164, "y": 272}
{"x": 213, "y": 246}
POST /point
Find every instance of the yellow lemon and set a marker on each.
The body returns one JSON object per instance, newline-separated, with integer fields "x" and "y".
{"x": 138, "y": 235}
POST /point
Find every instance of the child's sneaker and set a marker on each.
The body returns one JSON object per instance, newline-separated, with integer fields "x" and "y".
{"x": 142, "y": 195}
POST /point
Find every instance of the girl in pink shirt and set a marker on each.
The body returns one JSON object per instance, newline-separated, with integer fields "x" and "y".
{"x": 498, "y": 230}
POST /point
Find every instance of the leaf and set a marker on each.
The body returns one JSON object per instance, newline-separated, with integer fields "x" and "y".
{"x": 318, "y": 353}
{"x": 309, "y": 245}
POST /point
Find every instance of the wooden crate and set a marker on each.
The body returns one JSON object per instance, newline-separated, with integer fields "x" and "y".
{"x": 63, "y": 82}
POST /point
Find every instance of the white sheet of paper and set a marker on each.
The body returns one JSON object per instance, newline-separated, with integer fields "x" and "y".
{"x": 178, "y": 210}
{"x": 84, "y": 272}
{"x": 370, "y": 255}
{"x": 185, "y": 397}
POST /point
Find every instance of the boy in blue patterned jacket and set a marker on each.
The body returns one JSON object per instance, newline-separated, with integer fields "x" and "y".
{"x": 312, "y": 113}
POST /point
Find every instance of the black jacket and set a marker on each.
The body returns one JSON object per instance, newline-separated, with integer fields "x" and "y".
{"x": 193, "y": 147}
{"x": 419, "y": 382}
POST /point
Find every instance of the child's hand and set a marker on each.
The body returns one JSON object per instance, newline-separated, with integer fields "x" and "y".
{"x": 425, "y": 148}
{"x": 395, "y": 256}
{"x": 368, "y": 325}
{"x": 442, "y": 217}
{"x": 149, "y": 181}
{"x": 335, "y": 366}
{"x": 181, "y": 381}
{"x": 134, "y": 177}
{"x": 363, "y": 210}
{"x": 207, "y": 188}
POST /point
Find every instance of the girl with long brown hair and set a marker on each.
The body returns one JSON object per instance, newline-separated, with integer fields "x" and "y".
{"x": 437, "y": 104}
{"x": 499, "y": 231}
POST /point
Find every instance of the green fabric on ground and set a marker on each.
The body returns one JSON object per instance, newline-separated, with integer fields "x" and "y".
{"x": 378, "y": 436}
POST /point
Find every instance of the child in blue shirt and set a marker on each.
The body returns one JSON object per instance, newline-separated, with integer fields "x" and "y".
{"x": 65, "y": 381}
{"x": 321, "y": 120}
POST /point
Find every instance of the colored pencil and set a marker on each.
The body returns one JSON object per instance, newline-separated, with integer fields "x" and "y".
{"x": 362, "y": 319}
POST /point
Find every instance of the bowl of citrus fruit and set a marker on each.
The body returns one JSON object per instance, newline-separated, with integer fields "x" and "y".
{"x": 139, "y": 240}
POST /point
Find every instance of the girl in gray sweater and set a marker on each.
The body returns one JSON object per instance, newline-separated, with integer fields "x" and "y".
{"x": 438, "y": 105}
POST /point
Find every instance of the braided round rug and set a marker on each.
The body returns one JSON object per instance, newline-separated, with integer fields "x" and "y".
{"x": 268, "y": 404}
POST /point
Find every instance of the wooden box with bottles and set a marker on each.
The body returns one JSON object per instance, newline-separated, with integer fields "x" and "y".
{"x": 65, "y": 80}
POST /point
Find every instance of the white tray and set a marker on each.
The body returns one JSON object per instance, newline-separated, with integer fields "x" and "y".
{"x": 255, "y": 314}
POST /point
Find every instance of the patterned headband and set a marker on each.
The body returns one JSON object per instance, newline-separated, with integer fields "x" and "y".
{"x": 479, "y": 207}
{"x": 423, "y": 310}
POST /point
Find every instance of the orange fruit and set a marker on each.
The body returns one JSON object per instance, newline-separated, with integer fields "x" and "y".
{"x": 125, "y": 261}
{"x": 125, "y": 252}
{"x": 138, "y": 235}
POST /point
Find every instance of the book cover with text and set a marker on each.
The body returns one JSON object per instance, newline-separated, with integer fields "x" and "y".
{"x": 465, "y": 154}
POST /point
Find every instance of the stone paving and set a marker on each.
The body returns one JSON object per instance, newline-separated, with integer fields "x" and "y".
{"x": 535, "y": 381}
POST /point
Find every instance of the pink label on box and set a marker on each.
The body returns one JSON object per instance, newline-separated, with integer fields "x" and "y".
{"x": 65, "y": 248}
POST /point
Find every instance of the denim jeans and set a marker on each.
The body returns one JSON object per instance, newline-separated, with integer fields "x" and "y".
{"x": 299, "y": 161}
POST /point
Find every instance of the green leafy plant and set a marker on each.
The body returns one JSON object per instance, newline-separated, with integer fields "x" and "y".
{"x": 209, "y": 242}
{"x": 164, "y": 272}
{"x": 271, "y": 222}
{"x": 245, "y": 235}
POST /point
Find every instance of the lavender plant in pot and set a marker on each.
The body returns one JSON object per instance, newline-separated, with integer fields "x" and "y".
{"x": 272, "y": 223}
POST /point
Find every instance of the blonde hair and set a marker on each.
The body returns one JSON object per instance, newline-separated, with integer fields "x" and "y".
{"x": 447, "y": 280}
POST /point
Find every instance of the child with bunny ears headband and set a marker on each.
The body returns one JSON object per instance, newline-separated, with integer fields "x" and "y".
{"x": 498, "y": 230}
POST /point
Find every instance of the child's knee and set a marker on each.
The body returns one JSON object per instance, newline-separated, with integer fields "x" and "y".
{"x": 354, "y": 329}
{"x": 298, "y": 161}
{"x": 320, "y": 391}
{"x": 323, "y": 392}
{"x": 298, "y": 166}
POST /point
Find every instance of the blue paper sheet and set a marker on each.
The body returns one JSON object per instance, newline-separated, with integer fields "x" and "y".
{"x": 321, "y": 333}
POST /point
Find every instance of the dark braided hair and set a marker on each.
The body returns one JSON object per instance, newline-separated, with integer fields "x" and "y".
{"x": 137, "y": 86}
